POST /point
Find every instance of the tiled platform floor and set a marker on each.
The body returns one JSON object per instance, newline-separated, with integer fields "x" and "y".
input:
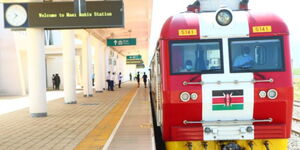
{"x": 66, "y": 125}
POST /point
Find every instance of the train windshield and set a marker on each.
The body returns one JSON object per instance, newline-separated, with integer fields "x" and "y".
{"x": 256, "y": 55}
{"x": 196, "y": 57}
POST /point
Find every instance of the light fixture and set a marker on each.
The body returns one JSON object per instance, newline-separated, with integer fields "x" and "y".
{"x": 224, "y": 17}
{"x": 194, "y": 96}
{"x": 185, "y": 96}
{"x": 272, "y": 94}
{"x": 262, "y": 94}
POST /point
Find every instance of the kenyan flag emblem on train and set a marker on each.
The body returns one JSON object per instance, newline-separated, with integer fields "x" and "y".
{"x": 227, "y": 100}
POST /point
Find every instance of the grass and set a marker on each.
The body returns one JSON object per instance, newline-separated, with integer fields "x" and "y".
{"x": 296, "y": 71}
{"x": 297, "y": 89}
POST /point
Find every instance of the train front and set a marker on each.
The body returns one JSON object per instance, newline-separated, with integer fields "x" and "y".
{"x": 226, "y": 79}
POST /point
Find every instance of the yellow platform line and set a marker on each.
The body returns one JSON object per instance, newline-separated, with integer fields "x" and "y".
{"x": 97, "y": 138}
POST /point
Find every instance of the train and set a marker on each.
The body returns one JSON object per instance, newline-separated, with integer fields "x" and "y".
{"x": 221, "y": 79}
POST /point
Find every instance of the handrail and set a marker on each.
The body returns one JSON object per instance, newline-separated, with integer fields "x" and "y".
{"x": 220, "y": 82}
{"x": 227, "y": 122}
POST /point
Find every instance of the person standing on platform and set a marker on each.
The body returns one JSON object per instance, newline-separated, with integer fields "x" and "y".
{"x": 53, "y": 81}
{"x": 112, "y": 81}
{"x": 120, "y": 79}
{"x": 93, "y": 79}
{"x": 57, "y": 81}
{"x": 108, "y": 80}
{"x": 130, "y": 76}
{"x": 138, "y": 78}
{"x": 145, "y": 79}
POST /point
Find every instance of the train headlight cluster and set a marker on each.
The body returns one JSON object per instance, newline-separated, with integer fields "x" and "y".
{"x": 272, "y": 94}
{"x": 224, "y": 17}
{"x": 185, "y": 96}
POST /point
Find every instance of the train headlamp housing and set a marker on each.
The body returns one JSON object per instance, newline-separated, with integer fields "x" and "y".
{"x": 194, "y": 96}
{"x": 272, "y": 94}
{"x": 224, "y": 17}
{"x": 262, "y": 94}
{"x": 185, "y": 96}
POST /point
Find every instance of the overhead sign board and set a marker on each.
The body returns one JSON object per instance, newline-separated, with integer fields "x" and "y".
{"x": 140, "y": 65}
{"x": 134, "y": 59}
{"x": 130, "y": 57}
{"x": 121, "y": 42}
{"x": 134, "y": 62}
{"x": 61, "y": 15}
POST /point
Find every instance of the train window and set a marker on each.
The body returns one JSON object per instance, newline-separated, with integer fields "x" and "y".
{"x": 188, "y": 57}
{"x": 256, "y": 55}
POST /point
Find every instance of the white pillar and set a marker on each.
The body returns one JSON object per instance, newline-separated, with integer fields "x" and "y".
{"x": 97, "y": 68}
{"x": 87, "y": 66}
{"x": 69, "y": 67}
{"x": 102, "y": 66}
{"x": 36, "y": 73}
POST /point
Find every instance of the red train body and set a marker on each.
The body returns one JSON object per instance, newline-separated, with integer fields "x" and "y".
{"x": 257, "y": 98}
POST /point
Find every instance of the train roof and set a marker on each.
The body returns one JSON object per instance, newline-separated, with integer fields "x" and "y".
{"x": 187, "y": 25}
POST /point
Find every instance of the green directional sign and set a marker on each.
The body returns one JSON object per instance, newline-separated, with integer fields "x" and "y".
{"x": 121, "y": 42}
{"x": 133, "y": 57}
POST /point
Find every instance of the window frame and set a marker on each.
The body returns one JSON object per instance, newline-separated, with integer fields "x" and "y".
{"x": 280, "y": 38}
{"x": 196, "y": 41}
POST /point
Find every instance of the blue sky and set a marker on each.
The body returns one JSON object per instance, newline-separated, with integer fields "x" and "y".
{"x": 287, "y": 10}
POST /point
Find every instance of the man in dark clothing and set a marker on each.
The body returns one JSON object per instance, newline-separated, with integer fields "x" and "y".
{"x": 145, "y": 79}
{"x": 57, "y": 81}
{"x": 138, "y": 78}
{"x": 53, "y": 81}
{"x": 130, "y": 76}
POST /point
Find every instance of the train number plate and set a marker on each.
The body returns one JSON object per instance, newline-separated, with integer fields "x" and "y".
{"x": 260, "y": 29}
{"x": 187, "y": 32}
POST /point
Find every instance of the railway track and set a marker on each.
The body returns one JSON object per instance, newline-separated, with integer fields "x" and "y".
{"x": 296, "y": 119}
{"x": 296, "y": 131}
{"x": 294, "y": 141}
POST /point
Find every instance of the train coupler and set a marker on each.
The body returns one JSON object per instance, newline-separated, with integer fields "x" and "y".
{"x": 231, "y": 146}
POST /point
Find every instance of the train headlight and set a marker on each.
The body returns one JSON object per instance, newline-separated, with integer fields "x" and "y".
{"x": 262, "y": 94}
{"x": 224, "y": 17}
{"x": 185, "y": 96}
{"x": 194, "y": 96}
{"x": 272, "y": 94}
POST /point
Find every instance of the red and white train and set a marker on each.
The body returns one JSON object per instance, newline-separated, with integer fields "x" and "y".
{"x": 221, "y": 79}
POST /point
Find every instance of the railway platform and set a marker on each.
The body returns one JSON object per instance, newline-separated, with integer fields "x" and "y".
{"x": 109, "y": 120}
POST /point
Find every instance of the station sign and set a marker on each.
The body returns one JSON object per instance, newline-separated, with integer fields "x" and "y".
{"x": 61, "y": 15}
{"x": 121, "y": 42}
{"x": 130, "y": 57}
{"x": 134, "y": 59}
{"x": 141, "y": 65}
{"x": 134, "y": 62}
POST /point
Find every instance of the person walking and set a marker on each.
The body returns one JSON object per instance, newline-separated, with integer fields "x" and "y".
{"x": 120, "y": 79}
{"x": 112, "y": 81}
{"x": 53, "y": 81}
{"x": 145, "y": 79}
{"x": 130, "y": 76}
{"x": 108, "y": 80}
{"x": 138, "y": 78}
{"x": 57, "y": 81}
